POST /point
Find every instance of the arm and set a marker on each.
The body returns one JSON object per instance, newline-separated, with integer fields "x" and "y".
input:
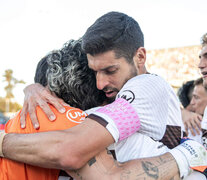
{"x": 162, "y": 168}
{"x": 66, "y": 149}
{"x": 105, "y": 167}
{"x": 191, "y": 121}
{"x": 177, "y": 163}
{"x": 37, "y": 95}
{"x": 72, "y": 148}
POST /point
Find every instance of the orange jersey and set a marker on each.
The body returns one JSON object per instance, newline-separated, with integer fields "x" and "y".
{"x": 11, "y": 170}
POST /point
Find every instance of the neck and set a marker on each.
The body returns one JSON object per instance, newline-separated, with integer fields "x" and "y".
{"x": 143, "y": 71}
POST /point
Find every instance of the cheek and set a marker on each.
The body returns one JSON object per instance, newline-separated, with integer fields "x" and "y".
{"x": 205, "y": 82}
{"x": 119, "y": 83}
{"x": 200, "y": 104}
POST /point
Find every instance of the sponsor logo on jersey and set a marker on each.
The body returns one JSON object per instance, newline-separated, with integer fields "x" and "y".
{"x": 76, "y": 115}
{"x": 127, "y": 95}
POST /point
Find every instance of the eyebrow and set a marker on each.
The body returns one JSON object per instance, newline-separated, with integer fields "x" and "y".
{"x": 205, "y": 54}
{"x": 113, "y": 66}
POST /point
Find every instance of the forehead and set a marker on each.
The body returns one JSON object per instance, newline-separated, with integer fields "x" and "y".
{"x": 103, "y": 60}
{"x": 199, "y": 89}
{"x": 203, "y": 50}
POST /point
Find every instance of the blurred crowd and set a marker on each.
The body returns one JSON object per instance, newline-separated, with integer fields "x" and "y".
{"x": 3, "y": 120}
{"x": 176, "y": 65}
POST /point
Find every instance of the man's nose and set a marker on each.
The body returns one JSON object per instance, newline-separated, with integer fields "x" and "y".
{"x": 101, "y": 81}
{"x": 202, "y": 64}
{"x": 192, "y": 102}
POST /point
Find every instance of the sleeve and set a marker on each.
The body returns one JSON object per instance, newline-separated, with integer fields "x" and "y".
{"x": 119, "y": 117}
{"x": 149, "y": 95}
{"x": 148, "y": 99}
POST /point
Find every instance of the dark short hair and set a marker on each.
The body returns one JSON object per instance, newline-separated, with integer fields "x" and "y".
{"x": 198, "y": 82}
{"x": 185, "y": 93}
{"x": 204, "y": 40}
{"x": 40, "y": 74}
{"x": 114, "y": 31}
{"x": 70, "y": 78}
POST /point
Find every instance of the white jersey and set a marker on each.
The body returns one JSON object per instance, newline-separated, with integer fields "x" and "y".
{"x": 155, "y": 102}
{"x": 157, "y": 106}
{"x": 204, "y": 129}
{"x": 202, "y": 137}
{"x": 138, "y": 146}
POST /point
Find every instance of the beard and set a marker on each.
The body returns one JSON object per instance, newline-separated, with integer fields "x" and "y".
{"x": 133, "y": 73}
{"x": 110, "y": 100}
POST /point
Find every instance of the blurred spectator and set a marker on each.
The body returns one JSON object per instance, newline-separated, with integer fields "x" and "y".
{"x": 199, "y": 98}
{"x": 185, "y": 94}
{"x": 193, "y": 121}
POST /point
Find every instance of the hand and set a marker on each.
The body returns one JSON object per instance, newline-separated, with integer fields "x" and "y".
{"x": 37, "y": 95}
{"x": 191, "y": 121}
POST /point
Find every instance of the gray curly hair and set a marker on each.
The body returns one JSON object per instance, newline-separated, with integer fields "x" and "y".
{"x": 70, "y": 78}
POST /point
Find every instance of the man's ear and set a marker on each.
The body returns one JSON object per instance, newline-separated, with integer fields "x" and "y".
{"x": 140, "y": 57}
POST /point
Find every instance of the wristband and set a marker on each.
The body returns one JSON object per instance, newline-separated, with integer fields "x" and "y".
{"x": 190, "y": 155}
{"x": 2, "y": 134}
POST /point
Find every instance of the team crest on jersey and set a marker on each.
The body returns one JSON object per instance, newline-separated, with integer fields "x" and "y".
{"x": 76, "y": 115}
{"x": 127, "y": 95}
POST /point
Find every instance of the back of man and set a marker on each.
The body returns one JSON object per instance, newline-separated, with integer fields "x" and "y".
{"x": 11, "y": 170}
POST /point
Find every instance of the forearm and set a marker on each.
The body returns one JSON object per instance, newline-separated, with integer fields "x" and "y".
{"x": 104, "y": 167}
{"x": 162, "y": 167}
{"x": 35, "y": 149}
{"x": 65, "y": 149}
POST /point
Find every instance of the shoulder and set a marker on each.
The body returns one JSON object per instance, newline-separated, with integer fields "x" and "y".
{"x": 71, "y": 117}
{"x": 146, "y": 80}
{"x": 145, "y": 85}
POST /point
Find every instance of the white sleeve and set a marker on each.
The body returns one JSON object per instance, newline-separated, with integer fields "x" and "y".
{"x": 149, "y": 95}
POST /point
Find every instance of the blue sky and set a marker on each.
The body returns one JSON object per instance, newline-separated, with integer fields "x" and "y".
{"x": 29, "y": 29}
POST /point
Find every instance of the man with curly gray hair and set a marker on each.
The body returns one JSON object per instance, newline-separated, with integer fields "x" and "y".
{"x": 69, "y": 77}
{"x": 66, "y": 74}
